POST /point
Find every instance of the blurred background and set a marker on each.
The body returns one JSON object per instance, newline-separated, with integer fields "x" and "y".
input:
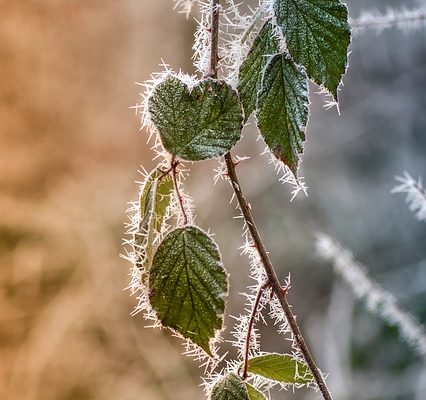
{"x": 70, "y": 148}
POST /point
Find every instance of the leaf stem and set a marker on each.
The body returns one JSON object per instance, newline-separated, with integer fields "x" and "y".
{"x": 273, "y": 280}
{"x": 214, "y": 29}
{"x": 173, "y": 166}
{"x": 251, "y": 326}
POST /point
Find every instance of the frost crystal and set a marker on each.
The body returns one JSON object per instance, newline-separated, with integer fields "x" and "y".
{"x": 416, "y": 194}
{"x": 286, "y": 176}
{"x": 403, "y": 18}
{"x": 378, "y": 301}
{"x": 184, "y": 6}
{"x": 257, "y": 273}
{"x": 202, "y": 40}
{"x": 237, "y": 32}
{"x": 149, "y": 87}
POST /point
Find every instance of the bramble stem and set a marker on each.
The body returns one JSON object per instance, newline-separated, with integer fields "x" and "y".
{"x": 173, "y": 166}
{"x": 214, "y": 53}
{"x": 251, "y": 326}
{"x": 273, "y": 280}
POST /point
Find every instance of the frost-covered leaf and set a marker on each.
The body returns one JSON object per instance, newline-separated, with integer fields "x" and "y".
{"x": 156, "y": 195}
{"x": 187, "y": 285}
{"x": 230, "y": 387}
{"x": 317, "y": 35}
{"x": 282, "y": 109}
{"x": 281, "y": 368}
{"x": 250, "y": 76}
{"x": 253, "y": 393}
{"x": 196, "y": 124}
{"x": 153, "y": 202}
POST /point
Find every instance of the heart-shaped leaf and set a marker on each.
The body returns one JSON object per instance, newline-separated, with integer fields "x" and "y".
{"x": 230, "y": 387}
{"x": 187, "y": 284}
{"x": 317, "y": 35}
{"x": 282, "y": 109}
{"x": 281, "y": 368}
{"x": 198, "y": 123}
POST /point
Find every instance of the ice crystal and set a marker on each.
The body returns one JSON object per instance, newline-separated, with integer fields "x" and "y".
{"x": 149, "y": 87}
{"x": 402, "y": 18}
{"x": 184, "y": 6}
{"x": 416, "y": 194}
{"x": 237, "y": 32}
{"x": 378, "y": 301}
{"x": 286, "y": 176}
{"x": 258, "y": 275}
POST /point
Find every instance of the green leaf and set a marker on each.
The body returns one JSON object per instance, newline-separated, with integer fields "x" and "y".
{"x": 156, "y": 196}
{"x": 153, "y": 202}
{"x": 187, "y": 284}
{"x": 282, "y": 109}
{"x": 253, "y": 393}
{"x": 230, "y": 387}
{"x": 317, "y": 35}
{"x": 196, "y": 124}
{"x": 250, "y": 76}
{"x": 281, "y": 368}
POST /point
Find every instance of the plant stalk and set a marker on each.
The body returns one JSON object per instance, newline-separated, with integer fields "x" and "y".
{"x": 273, "y": 280}
{"x": 250, "y": 328}
{"x": 173, "y": 167}
{"x": 214, "y": 49}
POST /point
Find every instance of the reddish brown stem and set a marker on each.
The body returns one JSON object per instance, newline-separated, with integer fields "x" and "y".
{"x": 173, "y": 166}
{"x": 273, "y": 280}
{"x": 214, "y": 30}
{"x": 251, "y": 326}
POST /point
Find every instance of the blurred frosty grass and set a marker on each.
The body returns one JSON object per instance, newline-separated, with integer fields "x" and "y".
{"x": 69, "y": 149}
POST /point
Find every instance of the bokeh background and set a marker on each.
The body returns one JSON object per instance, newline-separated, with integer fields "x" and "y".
{"x": 70, "y": 148}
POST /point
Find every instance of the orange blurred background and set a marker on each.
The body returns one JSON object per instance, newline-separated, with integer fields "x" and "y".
{"x": 69, "y": 151}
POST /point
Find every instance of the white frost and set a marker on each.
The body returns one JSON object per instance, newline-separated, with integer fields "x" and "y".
{"x": 402, "y": 18}
{"x": 416, "y": 194}
{"x": 378, "y": 301}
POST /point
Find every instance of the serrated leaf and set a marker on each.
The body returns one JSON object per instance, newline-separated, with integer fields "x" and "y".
{"x": 281, "y": 368}
{"x": 282, "y": 109}
{"x": 187, "y": 284}
{"x": 253, "y": 393}
{"x": 317, "y": 35}
{"x": 250, "y": 76}
{"x": 230, "y": 387}
{"x": 196, "y": 124}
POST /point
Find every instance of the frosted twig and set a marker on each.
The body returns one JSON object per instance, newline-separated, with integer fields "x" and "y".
{"x": 378, "y": 301}
{"x": 403, "y": 18}
{"x": 299, "y": 341}
{"x": 416, "y": 194}
{"x": 250, "y": 327}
